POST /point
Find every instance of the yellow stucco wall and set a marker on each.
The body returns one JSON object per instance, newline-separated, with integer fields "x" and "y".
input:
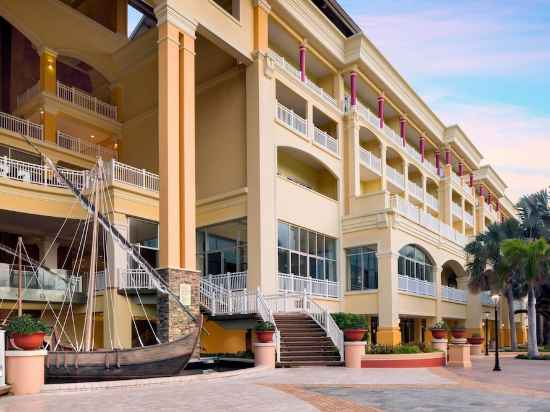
{"x": 216, "y": 339}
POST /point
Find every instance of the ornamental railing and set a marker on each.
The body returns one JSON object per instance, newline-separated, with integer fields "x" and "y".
{"x": 86, "y": 101}
{"x": 453, "y": 294}
{"x": 21, "y": 126}
{"x": 318, "y": 287}
{"x": 229, "y": 281}
{"x": 416, "y": 286}
{"x": 75, "y": 144}
{"x": 324, "y": 139}
{"x": 120, "y": 172}
{"x": 291, "y": 119}
{"x": 370, "y": 160}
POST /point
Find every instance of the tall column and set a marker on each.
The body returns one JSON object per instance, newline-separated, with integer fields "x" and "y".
{"x": 261, "y": 18}
{"x": 383, "y": 171}
{"x": 117, "y": 316}
{"x": 302, "y": 62}
{"x": 388, "y": 332}
{"x": 381, "y": 110}
{"x": 403, "y": 130}
{"x": 187, "y": 150}
{"x": 261, "y": 169}
{"x": 351, "y": 159}
{"x": 48, "y": 84}
{"x": 169, "y": 150}
{"x": 121, "y": 17}
{"x": 353, "y": 87}
{"x": 339, "y": 88}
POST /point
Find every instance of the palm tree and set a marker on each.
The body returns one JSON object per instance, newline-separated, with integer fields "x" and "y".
{"x": 487, "y": 269}
{"x": 534, "y": 213}
{"x": 532, "y": 259}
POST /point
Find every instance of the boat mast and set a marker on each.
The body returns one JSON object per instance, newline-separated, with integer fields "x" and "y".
{"x": 20, "y": 282}
{"x": 90, "y": 309}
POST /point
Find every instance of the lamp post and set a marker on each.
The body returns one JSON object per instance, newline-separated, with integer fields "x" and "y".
{"x": 496, "y": 299}
{"x": 487, "y": 314}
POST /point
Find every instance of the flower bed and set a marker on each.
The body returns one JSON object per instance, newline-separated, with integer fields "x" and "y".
{"x": 403, "y": 360}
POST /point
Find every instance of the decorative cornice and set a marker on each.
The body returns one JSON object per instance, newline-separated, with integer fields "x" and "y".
{"x": 46, "y": 50}
{"x": 262, "y": 4}
{"x": 165, "y": 13}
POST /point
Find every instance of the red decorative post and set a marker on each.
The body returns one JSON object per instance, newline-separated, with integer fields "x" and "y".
{"x": 489, "y": 198}
{"x": 471, "y": 179}
{"x": 422, "y": 144}
{"x": 381, "y": 110}
{"x": 497, "y": 205}
{"x": 353, "y": 87}
{"x": 447, "y": 157}
{"x": 460, "y": 169}
{"x": 303, "y": 62}
{"x": 438, "y": 162}
{"x": 481, "y": 192}
{"x": 403, "y": 130}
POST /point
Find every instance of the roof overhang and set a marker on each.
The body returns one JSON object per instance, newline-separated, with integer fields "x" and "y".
{"x": 489, "y": 177}
{"x": 457, "y": 139}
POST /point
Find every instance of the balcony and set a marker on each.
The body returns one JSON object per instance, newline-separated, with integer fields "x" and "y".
{"x": 468, "y": 219}
{"x": 426, "y": 220}
{"x": 324, "y": 139}
{"x": 291, "y": 120}
{"x": 395, "y": 177}
{"x": 42, "y": 175}
{"x": 432, "y": 202}
{"x": 416, "y": 286}
{"x": 457, "y": 210}
{"x": 461, "y": 185}
{"x": 416, "y": 191}
{"x": 453, "y": 294}
{"x": 74, "y": 144}
{"x": 282, "y": 63}
{"x": 229, "y": 281}
{"x": 300, "y": 284}
{"x": 370, "y": 161}
{"x": 485, "y": 298}
{"x": 21, "y": 126}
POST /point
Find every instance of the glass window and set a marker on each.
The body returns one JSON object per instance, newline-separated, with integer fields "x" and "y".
{"x": 330, "y": 248}
{"x": 362, "y": 268}
{"x": 320, "y": 269}
{"x": 354, "y": 263}
{"x": 295, "y": 263}
{"x": 415, "y": 263}
{"x": 303, "y": 265}
{"x": 283, "y": 261}
{"x": 303, "y": 241}
{"x": 312, "y": 243}
{"x": 320, "y": 245}
{"x": 294, "y": 238}
{"x": 313, "y": 267}
{"x": 283, "y": 235}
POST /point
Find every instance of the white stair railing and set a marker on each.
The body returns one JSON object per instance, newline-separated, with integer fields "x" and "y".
{"x": 266, "y": 314}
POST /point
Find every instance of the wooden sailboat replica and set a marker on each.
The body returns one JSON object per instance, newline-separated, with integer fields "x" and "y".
{"x": 78, "y": 360}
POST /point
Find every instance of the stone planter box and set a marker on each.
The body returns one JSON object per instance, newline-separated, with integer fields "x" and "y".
{"x": 408, "y": 360}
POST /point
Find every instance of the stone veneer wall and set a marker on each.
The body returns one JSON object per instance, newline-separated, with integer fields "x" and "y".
{"x": 173, "y": 321}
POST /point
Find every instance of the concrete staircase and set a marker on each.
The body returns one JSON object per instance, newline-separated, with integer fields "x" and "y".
{"x": 304, "y": 342}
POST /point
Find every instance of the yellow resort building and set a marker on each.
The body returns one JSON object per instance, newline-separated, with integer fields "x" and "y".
{"x": 266, "y": 144}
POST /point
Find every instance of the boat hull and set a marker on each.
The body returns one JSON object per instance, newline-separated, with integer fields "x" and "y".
{"x": 167, "y": 359}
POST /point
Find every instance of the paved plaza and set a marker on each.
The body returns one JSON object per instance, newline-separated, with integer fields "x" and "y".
{"x": 521, "y": 386}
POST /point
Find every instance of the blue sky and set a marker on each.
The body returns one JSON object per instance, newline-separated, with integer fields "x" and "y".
{"x": 482, "y": 64}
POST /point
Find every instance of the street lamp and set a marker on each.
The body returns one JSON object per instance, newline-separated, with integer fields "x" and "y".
{"x": 496, "y": 299}
{"x": 487, "y": 314}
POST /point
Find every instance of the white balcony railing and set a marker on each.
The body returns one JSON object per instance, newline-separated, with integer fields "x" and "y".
{"x": 368, "y": 115}
{"x": 416, "y": 286}
{"x": 485, "y": 298}
{"x": 468, "y": 219}
{"x": 324, "y": 139}
{"x": 426, "y": 220}
{"x": 291, "y": 119}
{"x": 77, "y": 145}
{"x": 86, "y": 101}
{"x": 457, "y": 210}
{"x": 370, "y": 160}
{"x": 229, "y": 281}
{"x": 415, "y": 154}
{"x": 21, "y": 126}
{"x": 415, "y": 190}
{"x": 28, "y": 94}
{"x": 44, "y": 176}
{"x": 120, "y": 172}
{"x": 135, "y": 279}
{"x": 299, "y": 284}
{"x": 453, "y": 294}
{"x": 294, "y": 72}
{"x": 432, "y": 201}
{"x": 395, "y": 177}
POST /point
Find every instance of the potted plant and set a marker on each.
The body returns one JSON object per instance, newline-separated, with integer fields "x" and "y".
{"x": 353, "y": 325}
{"x": 476, "y": 339}
{"x": 458, "y": 332}
{"x": 439, "y": 330}
{"x": 27, "y": 332}
{"x": 265, "y": 331}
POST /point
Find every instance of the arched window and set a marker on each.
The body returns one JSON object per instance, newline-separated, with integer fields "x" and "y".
{"x": 415, "y": 263}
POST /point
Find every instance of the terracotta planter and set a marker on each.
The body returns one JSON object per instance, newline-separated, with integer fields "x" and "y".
{"x": 458, "y": 333}
{"x": 354, "y": 335}
{"x": 475, "y": 340}
{"x": 28, "y": 342}
{"x": 439, "y": 333}
{"x": 265, "y": 336}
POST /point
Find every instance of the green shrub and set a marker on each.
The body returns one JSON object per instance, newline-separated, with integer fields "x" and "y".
{"x": 440, "y": 325}
{"x": 350, "y": 321}
{"x": 265, "y": 327}
{"x": 527, "y": 357}
{"x": 243, "y": 355}
{"x": 389, "y": 349}
{"x": 27, "y": 325}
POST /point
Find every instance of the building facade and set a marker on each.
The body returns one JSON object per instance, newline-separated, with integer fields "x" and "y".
{"x": 267, "y": 144}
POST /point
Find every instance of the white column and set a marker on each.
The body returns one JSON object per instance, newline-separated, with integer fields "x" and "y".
{"x": 48, "y": 246}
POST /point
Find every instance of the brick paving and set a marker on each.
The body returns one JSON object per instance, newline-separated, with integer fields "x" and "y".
{"x": 522, "y": 386}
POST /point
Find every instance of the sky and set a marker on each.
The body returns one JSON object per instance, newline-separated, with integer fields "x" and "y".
{"x": 484, "y": 65}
